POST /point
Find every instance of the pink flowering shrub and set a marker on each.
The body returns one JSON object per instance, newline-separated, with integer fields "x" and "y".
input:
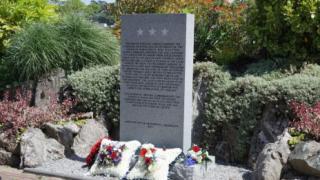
{"x": 307, "y": 118}
{"x": 16, "y": 114}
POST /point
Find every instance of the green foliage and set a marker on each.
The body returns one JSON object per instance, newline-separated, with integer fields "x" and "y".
{"x": 35, "y": 51}
{"x": 98, "y": 90}
{"x": 14, "y": 14}
{"x": 222, "y": 37}
{"x": 72, "y": 45}
{"x": 87, "y": 44}
{"x": 286, "y": 28}
{"x": 122, "y": 7}
{"x": 296, "y": 138}
{"x": 239, "y": 103}
{"x": 71, "y": 6}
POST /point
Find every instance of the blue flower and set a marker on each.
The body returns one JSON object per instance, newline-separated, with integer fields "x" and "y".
{"x": 190, "y": 161}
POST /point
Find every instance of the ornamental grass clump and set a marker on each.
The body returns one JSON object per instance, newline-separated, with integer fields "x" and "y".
{"x": 35, "y": 51}
{"x": 87, "y": 44}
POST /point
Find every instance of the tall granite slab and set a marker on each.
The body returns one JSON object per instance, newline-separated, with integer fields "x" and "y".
{"x": 156, "y": 79}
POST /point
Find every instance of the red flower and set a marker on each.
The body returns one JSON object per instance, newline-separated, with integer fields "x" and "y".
{"x": 143, "y": 152}
{"x": 109, "y": 148}
{"x": 148, "y": 161}
{"x": 93, "y": 152}
{"x": 196, "y": 148}
{"x": 113, "y": 155}
{"x": 153, "y": 150}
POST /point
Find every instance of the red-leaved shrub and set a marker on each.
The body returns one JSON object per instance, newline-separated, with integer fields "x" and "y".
{"x": 307, "y": 118}
{"x": 16, "y": 114}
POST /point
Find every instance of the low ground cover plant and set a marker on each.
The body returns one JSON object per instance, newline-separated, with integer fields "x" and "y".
{"x": 16, "y": 114}
{"x": 306, "y": 119}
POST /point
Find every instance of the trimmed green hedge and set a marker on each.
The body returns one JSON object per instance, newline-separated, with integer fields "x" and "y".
{"x": 98, "y": 89}
{"x": 230, "y": 102}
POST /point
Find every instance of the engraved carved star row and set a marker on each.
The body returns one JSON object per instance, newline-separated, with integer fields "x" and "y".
{"x": 152, "y": 31}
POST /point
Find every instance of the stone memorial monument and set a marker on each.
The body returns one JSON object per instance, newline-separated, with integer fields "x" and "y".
{"x": 156, "y": 79}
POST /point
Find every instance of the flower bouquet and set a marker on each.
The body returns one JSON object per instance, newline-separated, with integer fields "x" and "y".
{"x": 148, "y": 156}
{"x": 197, "y": 155}
{"x": 195, "y": 164}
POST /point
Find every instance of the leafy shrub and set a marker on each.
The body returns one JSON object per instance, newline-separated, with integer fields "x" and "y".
{"x": 286, "y": 28}
{"x": 14, "y": 14}
{"x": 307, "y": 119}
{"x": 240, "y": 104}
{"x": 87, "y": 44}
{"x": 71, "y": 6}
{"x": 222, "y": 37}
{"x": 16, "y": 114}
{"x": 35, "y": 51}
{"x": 98, "y": 89}
{"x": 230, "y": 102}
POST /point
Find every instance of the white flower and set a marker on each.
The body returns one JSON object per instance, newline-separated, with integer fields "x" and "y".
{"x": 313, "y": 15}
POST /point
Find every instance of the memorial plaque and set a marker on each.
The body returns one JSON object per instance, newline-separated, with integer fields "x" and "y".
{"x": 156, "y": 79}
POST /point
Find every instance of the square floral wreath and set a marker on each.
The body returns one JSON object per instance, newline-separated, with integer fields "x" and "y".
{"x": 113, "y": 158}
{"x": 153, "y": 163}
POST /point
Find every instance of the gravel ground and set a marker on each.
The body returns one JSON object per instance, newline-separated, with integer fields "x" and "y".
{"x": 74, "y": 168}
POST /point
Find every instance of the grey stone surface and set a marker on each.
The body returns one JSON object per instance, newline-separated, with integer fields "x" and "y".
{"x": 72, "y": 127}
{"x": 48, "y": 87}
{"x": 156, "y": 79}
{"x": 9, "y": 143}
{"x": 5, "y": 157}
{"x": 75, "y": 167}
{"x": 305, "y": 158}
{"x": 36, "y": 148}
{"x": 89, "y": 134}
{"x": 61, "y": 134}
{"x": 8, "y": 158}
{"x": 272, "y": 159}
{"x": 268, "y": 129}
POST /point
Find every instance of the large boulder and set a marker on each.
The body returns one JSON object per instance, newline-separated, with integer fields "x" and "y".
{"x": 9, "y": 150}
{"x": 64, "y": 134}
{"x": 48, "y": 87}
{"x": 8, "y": 158}
{"x": 305, "y": 158}
{"x": 9, "y": 143}
{"x": 36, "y": 148}
{"x": 88, "y": 136}
{"x": 267, "y": 131}
{"x": 272, "y": 159}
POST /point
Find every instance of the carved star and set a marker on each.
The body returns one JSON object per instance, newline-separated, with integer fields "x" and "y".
{"x": 164, "y": 31}
{"x": 152, "y": 31}
{"x": 140, "y": 32}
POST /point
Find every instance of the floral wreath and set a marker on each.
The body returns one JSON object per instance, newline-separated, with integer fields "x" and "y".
{"x": 110, "y": 155}
{"x": 197, "y": 155}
